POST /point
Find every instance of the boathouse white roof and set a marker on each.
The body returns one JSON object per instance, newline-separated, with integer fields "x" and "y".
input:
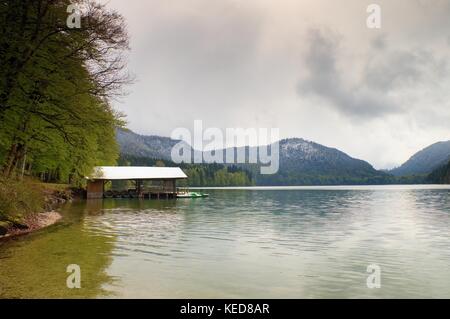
{"x": 136, "y": 172}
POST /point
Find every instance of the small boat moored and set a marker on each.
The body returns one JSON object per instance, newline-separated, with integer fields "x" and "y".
{"x": 191, "y": 195}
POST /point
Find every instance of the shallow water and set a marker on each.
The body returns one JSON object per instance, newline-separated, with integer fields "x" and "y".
{"x": 313, "y": 242}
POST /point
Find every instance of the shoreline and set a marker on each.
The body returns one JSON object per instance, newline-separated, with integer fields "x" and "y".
{"x": 327, "y": 187}
{"x": 53, "y": 199}
{"x": 33, "y": 223}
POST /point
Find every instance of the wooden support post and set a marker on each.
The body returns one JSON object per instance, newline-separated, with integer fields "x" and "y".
{"x": 95, "y": 189}
{"x": 138, "y": 187}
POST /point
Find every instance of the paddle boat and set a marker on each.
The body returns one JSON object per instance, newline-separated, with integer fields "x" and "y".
{"x": 185, "y": 193}
{"x": 191, "y": 195}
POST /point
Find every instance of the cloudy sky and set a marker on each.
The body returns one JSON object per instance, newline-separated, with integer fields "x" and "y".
{"x": 309, "y": 67}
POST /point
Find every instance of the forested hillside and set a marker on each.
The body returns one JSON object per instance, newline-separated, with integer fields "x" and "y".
{"x": 440, "y": 175}
{"x": 198, "y": 174}
{"x": 425, "y": 161}
{"x": 301, "y": 163}
{"x": 55, "y": 85}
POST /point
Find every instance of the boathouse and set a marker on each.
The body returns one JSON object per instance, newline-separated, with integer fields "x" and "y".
{"x": 166, "y": 176}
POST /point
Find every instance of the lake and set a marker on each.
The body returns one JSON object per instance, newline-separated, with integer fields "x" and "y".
{"x": 287, "y": 242}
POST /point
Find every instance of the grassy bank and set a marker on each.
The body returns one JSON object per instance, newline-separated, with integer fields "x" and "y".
{"x": 21, "y": 199}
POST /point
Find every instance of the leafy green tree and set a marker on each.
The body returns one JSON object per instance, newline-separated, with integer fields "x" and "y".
{"x": 55, "y": 89}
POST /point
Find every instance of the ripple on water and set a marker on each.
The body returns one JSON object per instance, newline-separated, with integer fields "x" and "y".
{"x": 266, "y": 243}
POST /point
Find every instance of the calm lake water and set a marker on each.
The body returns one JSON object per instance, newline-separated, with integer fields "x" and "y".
{"x": 293, "y": 242}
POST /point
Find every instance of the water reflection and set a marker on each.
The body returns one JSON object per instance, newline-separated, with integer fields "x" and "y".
{"x": 34, "y": 266}
{"x": 243, "y": 243}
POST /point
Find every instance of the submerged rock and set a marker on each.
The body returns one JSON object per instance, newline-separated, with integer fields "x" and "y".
{"x": 19, "y": 223}
{"x": 33, "y": 222}
{"x": 4, "y": 227}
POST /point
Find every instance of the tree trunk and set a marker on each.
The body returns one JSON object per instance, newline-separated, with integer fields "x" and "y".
{"x": 14, "y": 157}
{"x": 24, "y": 161}
{"x": 9, "y": 160}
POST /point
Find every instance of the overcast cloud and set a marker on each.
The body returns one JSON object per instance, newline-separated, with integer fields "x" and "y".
{"x": 310, "y": 67}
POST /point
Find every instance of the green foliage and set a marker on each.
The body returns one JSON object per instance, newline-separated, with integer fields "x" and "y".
{"x": 200, "y": 175}
{"x": 57, "y": 122}
{"x": 298, "y": 179}
{"x": 19, "y": 198}
{"x": 215, "y": 175}
{"x": 440, "y": 175}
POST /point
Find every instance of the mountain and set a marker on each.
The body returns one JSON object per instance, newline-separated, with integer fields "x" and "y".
{"x": 440, "y": 175}
{"x": 307, "y": 163}
{"x": 301, "y": 155}
{"x": 301, "y": 162}
{"x": 151, "y": 146}
{"x": 425, "y": 161}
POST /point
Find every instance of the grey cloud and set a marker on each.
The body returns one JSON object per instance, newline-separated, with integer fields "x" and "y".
{"x": 236, "y": 64}
{"x": 214, "y": 44}
{"x": 404, "y": 69}
{"x": 379, "y": 42}
{"x": 387, "y": 70}
{"x": 325, "y": 81}
{"x": 199, "y": 61}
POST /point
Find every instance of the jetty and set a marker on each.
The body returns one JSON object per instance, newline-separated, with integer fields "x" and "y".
{"x": 148, "y": 182}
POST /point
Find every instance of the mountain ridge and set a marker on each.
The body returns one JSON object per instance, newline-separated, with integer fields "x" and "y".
{"x": 425, "y": 161}
{"x": 300, "y": 161}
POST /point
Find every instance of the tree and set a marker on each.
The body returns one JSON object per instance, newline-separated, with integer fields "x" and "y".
{"x": 57, "y": 84}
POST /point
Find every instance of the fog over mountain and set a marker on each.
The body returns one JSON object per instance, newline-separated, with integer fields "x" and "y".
{"x": 309, "y": 67}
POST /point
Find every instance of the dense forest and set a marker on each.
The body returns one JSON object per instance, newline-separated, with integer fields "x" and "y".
{"x": 248, "y": 175}
{"x": 198, "y": 174}
{"x": 55, "y": 87}
{"x": 441, "y": 175}
{"x": 60, "y": 66}
{"x": 293, "y": 178}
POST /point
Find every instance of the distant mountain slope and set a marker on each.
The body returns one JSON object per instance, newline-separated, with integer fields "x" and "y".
{"x": 440, "y": 175}
{"x": 301, "y": 155}
{"x": 425, "y": 161}
{"x": 151, "y": 146}
{"x": 307, "y": 163}
{"x": 301, "y": 162}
